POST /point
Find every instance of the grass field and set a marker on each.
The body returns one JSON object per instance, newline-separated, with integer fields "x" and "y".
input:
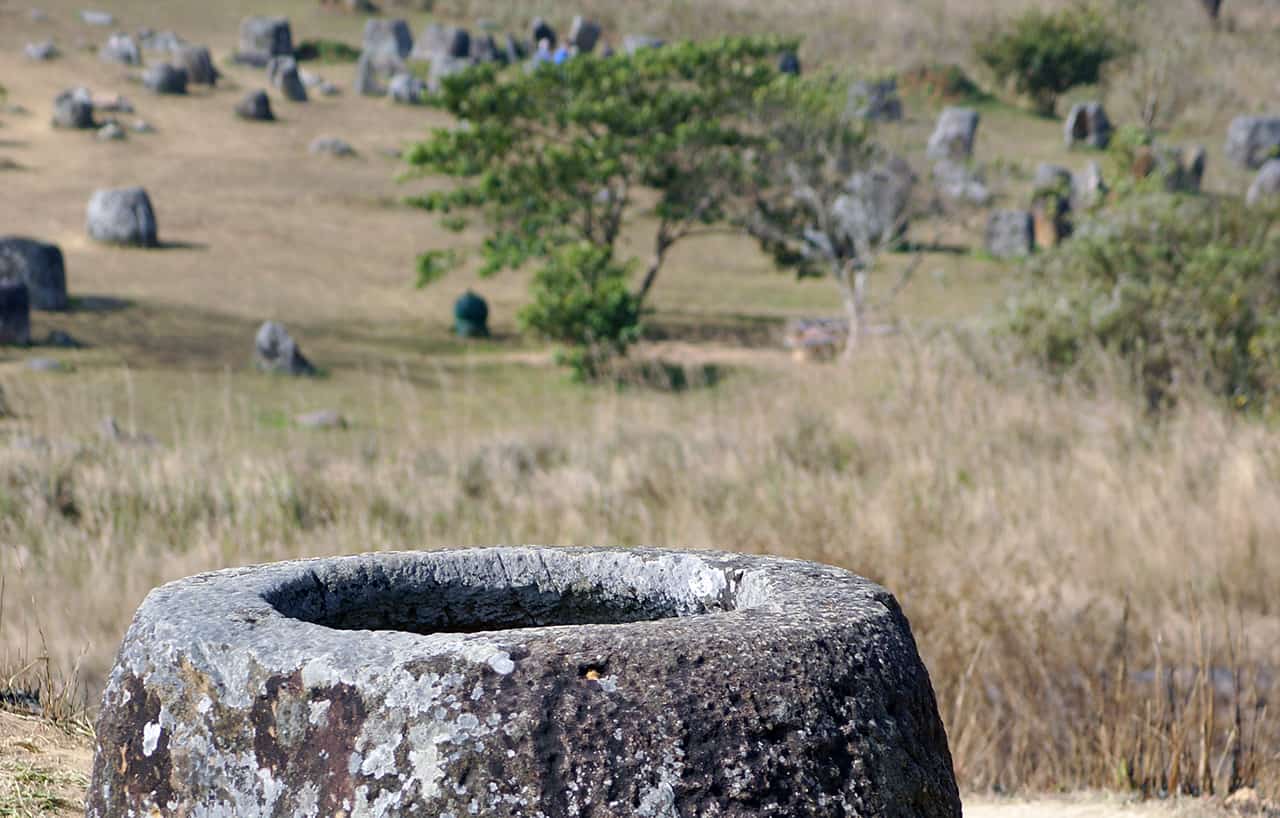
{"x": 1093, "y": 588}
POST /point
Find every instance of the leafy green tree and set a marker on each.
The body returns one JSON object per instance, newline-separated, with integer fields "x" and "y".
{"x": 559, "y": 159}
{"x": 1046, "y": 53}
{"x": 827, "y": 199}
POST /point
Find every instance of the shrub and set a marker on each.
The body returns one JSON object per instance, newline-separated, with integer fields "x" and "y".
{"x": 326, "y": 51}
{"x": 1045, "y": 54}
{"x": 581, "y": 298}
{"x": 1186, "y": 292}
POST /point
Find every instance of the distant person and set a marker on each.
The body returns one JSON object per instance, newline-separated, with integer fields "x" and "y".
{"x": 562, "y": 55}
{"x": 544, "y": 53}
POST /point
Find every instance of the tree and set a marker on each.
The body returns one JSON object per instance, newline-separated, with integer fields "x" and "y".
{"x": 1045, "y": 54}
{"x": 562, "y": 157}
{"x": 827, "y": 200}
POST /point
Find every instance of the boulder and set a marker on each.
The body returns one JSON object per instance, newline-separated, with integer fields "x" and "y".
{"x": 1049, "y": 222}
{"x": 1088, "y": 189}
{"x": 262, "y": 38}
{"x": 511, "y": 682}
{"x": 1010, "y": 234}
{"x": 632, "y": 43}
{"x": 484, "y": 48}
{"x": 437, "y": 40}
{"x": 198, "y": 63}
{"x": 255, "y": 106}
{"x": 1266, "y": 185}
{"x": 875, "y": 101}
{"x": 332, "y": 146}
{"x": 958, "y": 181}
{"x": 584, "y": 34}
{"x": 321, "y": 419}
{"x": 388, "y": 39}
{"x": 122, "y": 216}
{"x": 1252, "y": 140}
{"x": 407, "y": 89}
{"x": 789, "y": 63}
{"x": 15, "y": 312}
{"x": 163, "y": 41}
{"x": 45, "y": 365}
{"x": 367, "y": 81}
{"x": 122, "y": 49}
{"x": 41, "y": 51}
{"x": 1089, "y": 125}
{"x": 110, "y": 132}
{"x": 164, "y": 78}
{"x": 954, "y": 134}
{"x": 283, "y": 74}
{"x": 39, "y": 266}
{"x": 875, "y": 205}
{"x": 541, "y": 30}
{"x": 73, "y": 108}
{"x": 274, "y": 351}
{"x": 97, "y": 18}
{"x": 1051, "y": 179}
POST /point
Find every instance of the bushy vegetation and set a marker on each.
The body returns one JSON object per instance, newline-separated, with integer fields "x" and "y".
{"x": 326, "y": 51}
{"x": 1044, "y": 54}
{"x": 1184, "y": 290}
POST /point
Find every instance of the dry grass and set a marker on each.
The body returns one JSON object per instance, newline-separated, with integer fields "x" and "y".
{"x": 1088, "y": 586}
{"x": 1092, "y": 588}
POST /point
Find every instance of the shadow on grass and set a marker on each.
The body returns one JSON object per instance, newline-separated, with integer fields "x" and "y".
{"x": 665, "y": 376}
{"x": 99, "y": 303}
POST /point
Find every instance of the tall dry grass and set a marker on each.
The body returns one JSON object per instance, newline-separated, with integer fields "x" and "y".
{"x": 1093, "y": 589}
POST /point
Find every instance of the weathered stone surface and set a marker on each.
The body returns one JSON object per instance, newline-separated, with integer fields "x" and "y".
{"x": 321, "y": 419}
{"x": 41, "y": 51}
{"x": 283, "y": 74}
{"x": 331, "y": 145}
{"x": 73, "y": 108}
{"x": 875, "y": 101}
{"x": 584, "y": 33}
{"x": 874, "y": 208}
{"x": 163, "y": 41}
{"x": 111, "y": 132}
{"x": 275, "y": 351}
{"x": 97, "y": 18}
{"x": 437, "y": 40}
{"x": 1051, "y": 178}
{"x": 1087, "y": 124}
{"x": 408, "y": 89}
{"x": 38, "y": 265}
{"x": 1088, "y": 189}
{"x": 522, "y": 682}
{"x": 262, "y": 38}
{"x": 15, "y": 312}
{"x": 255, "y": 106}
{"x": 122, "y": 216}
{"x": 1010, "y": 233}
{"x": 954, "y": 134}
{"x": 387, "y": 39}
{"x": 1266, "y": 185}
{"x": 198, "y": 63}
{"x": 1252, "y": 140}
{"x": 121, "y": 48}
{"x": 541, "y": 30}
{"x": 957, "y": 180}
{"x": 164, "y": 78}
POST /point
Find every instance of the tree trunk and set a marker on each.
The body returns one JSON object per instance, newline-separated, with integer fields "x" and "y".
{"x": 660, "y": 247}
{"x": 853, "y": 286}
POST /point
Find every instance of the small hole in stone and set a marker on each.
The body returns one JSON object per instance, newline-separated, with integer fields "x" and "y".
{"x": 591, "y": 673}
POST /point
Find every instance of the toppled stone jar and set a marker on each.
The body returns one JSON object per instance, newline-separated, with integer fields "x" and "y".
{"x": 533, "y": 682}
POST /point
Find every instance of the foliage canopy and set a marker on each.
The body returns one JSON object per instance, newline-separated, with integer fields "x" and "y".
{"x": 1046, "y": 53}
{"x": 556, "y": 159}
